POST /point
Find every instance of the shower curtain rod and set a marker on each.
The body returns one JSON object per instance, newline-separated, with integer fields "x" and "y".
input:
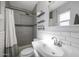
{"x": 17, "y": 9}
{"x": 20, "y": 25}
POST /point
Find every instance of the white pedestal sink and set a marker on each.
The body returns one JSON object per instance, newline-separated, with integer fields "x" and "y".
{"x": 47, "y": 51}
{"x": 54, "y": 51}
{"x": 50, "y": 52}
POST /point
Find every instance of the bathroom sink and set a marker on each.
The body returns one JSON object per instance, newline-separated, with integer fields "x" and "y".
{"x": 46, "y": 51}
{"x": 54, "y": 51}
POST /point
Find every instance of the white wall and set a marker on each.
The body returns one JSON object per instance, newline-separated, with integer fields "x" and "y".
{"x": 42, "y": 5}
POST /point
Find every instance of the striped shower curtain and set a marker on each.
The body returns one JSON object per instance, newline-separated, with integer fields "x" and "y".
{"x": 11, "y": 40}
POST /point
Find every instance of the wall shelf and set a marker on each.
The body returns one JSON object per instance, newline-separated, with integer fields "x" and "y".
{"x": 41, "y": 21}
{"x": 40, "y": 14}
{"x": 22, "y": 25}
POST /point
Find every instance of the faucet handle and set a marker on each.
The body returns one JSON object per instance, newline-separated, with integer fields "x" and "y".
{"x": 55, "y": 42}
{"x": 58, "y": 43}
{"x": 62, "y": 42}
{"x": 54, "y": 38}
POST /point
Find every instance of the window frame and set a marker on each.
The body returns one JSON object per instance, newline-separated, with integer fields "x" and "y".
{"x": 64, "y": 20}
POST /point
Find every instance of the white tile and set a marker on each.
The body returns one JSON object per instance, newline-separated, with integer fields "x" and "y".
{"x": 1, "y": 25}
{"x": 66, "y": 34}
{"x": 1, "y": 42}
{"x": 1, "y": 52}
{"x": 72, "y": 40}
{"x": 66, "y": 42}
{"x": 57, "y": 33}
{"x": 60, "y": 37}
{"x": 75, "y": 34}
{"x": 75, "y": 45}
{"x": 1, "y": 35}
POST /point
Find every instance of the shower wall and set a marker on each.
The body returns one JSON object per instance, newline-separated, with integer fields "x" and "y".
{"x": 2, "y": 28}
{"x": 24, "y": 28}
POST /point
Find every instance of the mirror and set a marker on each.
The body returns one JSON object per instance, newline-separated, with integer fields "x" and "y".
{"x": 63, "y": 13}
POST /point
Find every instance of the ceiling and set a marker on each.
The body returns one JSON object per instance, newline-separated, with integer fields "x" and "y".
{"x": 28, "y": 5}
{"x": 55, "y": 4}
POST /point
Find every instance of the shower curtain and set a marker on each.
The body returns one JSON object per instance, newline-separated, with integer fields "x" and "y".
{"x": 11, "y": 40}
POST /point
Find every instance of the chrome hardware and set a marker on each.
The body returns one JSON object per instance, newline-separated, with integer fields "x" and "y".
{"x": 57, "y": 42}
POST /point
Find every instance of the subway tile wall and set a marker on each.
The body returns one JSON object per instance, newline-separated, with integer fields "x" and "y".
{"x": 1, "y": 43}
{"x": 2, "y": 32}
{"x": 68, "y": 38}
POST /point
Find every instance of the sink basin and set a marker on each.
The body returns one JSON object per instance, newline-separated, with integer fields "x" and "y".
{"x": 50, "y": 52}
{"x": 53, "y": 51}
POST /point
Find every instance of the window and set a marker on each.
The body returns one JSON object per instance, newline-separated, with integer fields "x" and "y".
{"x": 64, "y": 18}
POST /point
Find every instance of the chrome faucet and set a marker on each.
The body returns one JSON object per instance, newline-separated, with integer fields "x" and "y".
{"x": 56, "y": 42}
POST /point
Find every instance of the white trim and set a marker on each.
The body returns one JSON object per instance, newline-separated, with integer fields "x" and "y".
{"x": 72, "y": 28}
